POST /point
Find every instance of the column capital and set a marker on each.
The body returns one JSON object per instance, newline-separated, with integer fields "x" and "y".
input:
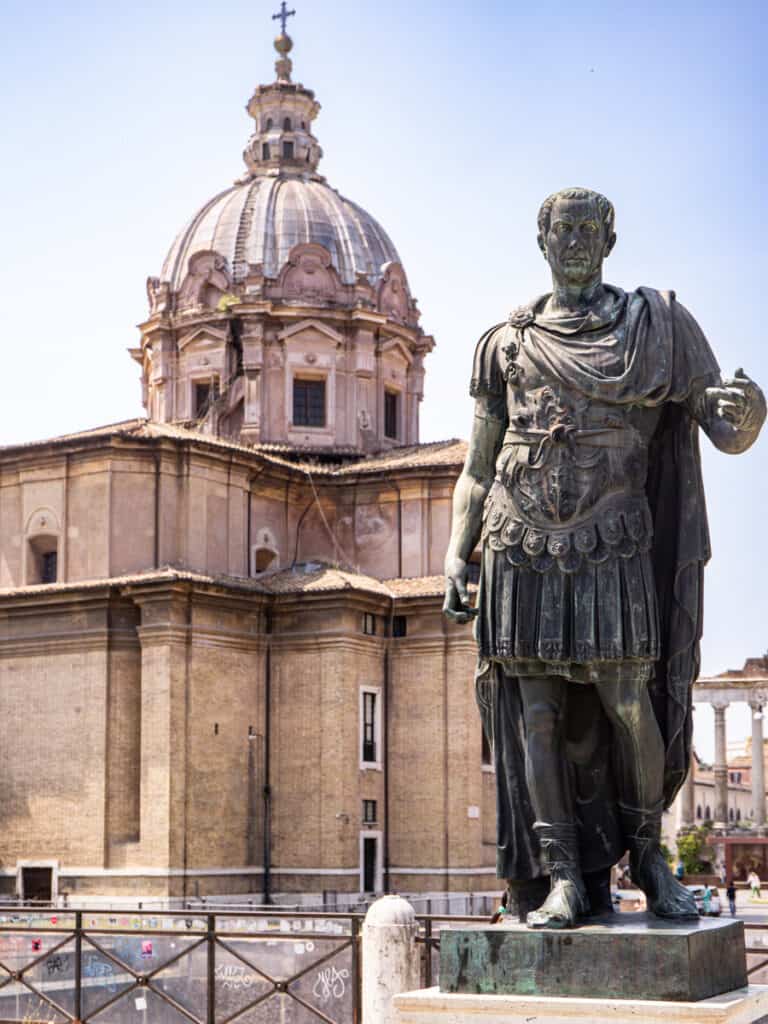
{"x": 720, "y": 705}
{"x": 756, "y": 705}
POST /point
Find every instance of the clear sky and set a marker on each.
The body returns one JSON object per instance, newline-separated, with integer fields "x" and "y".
{"x": 450, "y": 123}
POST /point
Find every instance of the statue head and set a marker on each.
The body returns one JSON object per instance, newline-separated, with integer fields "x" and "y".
{"x": 576, "y": 234}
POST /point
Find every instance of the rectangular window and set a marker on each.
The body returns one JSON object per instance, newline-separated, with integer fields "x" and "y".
{"x": 309, "y": 403}
{"x": 48, "y": 567}
{"x": 391, "y": 410}
{"x": 370, "y": 863}
{"x": 369, "y": 727}
{"x": 369, "y": 812}
{"x": 288, "y": 150}
{"x": 369, "y": 624}
{"x": 206, "y": 393}
{"x": 399, "y": 625}
{"x": 265, "y": 151}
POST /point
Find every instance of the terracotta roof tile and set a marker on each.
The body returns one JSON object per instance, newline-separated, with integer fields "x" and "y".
{"x": 313, "y": 577}
{"x": 417, "y": 586}
{"x": 435, "y": 453}
{"x": 166, "y": 574}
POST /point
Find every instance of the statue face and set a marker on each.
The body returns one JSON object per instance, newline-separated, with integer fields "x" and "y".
{"x": 576, "y": 243}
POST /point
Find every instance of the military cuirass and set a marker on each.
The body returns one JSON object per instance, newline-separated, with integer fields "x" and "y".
{"x": 571, "y": 473}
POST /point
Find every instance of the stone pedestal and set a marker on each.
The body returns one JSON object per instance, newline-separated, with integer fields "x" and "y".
{"x": 626, "y": 956}
{"x": 430, "y": 1006}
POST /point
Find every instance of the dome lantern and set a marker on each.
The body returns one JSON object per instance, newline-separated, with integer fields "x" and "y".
{"x": 283, "y": 111}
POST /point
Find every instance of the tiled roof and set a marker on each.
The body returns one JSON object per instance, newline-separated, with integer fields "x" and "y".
{"x": 166, "y": 574}
{"x": 417, "y": 586}
{"x": 312, "y": 578}
{"x": 307, "y": 578}
{"x": 435, "y": 453}
{"x": 108, "y": 430}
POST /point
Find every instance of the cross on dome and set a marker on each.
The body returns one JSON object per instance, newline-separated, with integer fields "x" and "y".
{"x": 283, "y": 15}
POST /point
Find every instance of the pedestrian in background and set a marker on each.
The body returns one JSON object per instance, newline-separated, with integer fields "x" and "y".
{"x": 730, "y": 892}
{"x": 706, "y": 900}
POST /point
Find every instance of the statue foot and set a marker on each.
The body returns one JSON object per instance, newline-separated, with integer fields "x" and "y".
{"x": 565, "y": 903}
{"x": 666, "y": 896}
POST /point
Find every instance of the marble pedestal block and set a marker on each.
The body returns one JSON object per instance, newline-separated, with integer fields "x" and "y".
{"x": 625, "y": 956}
{"x": 430, "y": 1006}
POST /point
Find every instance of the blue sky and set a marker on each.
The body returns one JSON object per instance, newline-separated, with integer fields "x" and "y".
{"x": 450, "y": 123}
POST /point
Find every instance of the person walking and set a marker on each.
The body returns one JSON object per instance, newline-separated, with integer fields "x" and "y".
{"x": 753, "y": 880}
{"x": 706, "y": 900}
{"x": 730, "y": 892}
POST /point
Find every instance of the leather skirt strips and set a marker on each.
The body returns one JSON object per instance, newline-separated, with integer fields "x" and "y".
{"x": 601, "y": 612}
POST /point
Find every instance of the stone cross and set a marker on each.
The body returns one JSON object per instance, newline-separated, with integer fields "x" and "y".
{"x": 283, "y": 15}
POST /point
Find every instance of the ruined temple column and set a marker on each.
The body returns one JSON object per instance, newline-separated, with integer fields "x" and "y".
{"x": 687, "y": 810}
{"x": 721, "y": 769}
{"x": 758, "y": 769}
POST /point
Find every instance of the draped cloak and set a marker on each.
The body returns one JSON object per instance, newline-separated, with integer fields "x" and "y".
{"x": 659, "y": 358}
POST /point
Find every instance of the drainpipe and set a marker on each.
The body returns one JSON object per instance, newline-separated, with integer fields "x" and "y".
{"x": 387, "y": 691}
{"x": 399, "y": 527}
{"x": 156, "y": 553}
{"x": 267, "y": 879}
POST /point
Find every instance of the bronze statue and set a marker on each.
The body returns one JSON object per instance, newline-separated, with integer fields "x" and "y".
{"x": 583, "y": 481}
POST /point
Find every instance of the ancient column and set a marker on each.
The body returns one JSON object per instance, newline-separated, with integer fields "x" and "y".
{"x": 758, "y": 769}
{"x": 687, "y": 810}
{"x": 721, "y": 769}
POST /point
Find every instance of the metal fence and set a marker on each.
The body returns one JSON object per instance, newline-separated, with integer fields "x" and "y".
{"x": 216, "y": 967}
{"x": 110, "y": 967}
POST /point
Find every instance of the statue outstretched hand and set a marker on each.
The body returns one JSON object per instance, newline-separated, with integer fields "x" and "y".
{"x": 739, "y": 401}
{"x": 457, "y": 605}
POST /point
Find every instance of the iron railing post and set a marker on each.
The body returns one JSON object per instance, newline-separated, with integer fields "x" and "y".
{"x": 78, "y": 966}
{"x": 356, "y": 972}
{"x": 428, "y": 948}
{"x": 210, "y": 1015}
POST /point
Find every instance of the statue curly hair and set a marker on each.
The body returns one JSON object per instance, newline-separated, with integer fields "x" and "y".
{"x": 604, "y": 206}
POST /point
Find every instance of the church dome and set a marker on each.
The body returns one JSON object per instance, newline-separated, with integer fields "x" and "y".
{"x": 282, "y": 313}
{"x": 259, "y": 221}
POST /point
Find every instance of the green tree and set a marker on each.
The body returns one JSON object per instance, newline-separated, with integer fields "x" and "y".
{"x": 694, "y": 851}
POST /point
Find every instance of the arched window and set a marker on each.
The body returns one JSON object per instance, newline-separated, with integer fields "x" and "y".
{"x": 698, "y": 812}
{"x": 42, "y": 548}
{"x": 287, "y": 125}
{"x": 268, "y": 125}
{"x": 708, "y": 814}
{"x": 738, "y": 814}
{"x": 730, "y": 814}
{"x": 263, "y": 559}
{"x": 303, "y": 126}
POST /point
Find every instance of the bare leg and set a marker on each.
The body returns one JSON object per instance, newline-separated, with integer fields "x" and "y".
{"x": 640, "y": 778}
{"x": 641, "y": 748}
{"x": 543, "y": 702}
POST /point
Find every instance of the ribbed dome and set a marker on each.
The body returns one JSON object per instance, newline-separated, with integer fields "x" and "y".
{"x": 261, "y": 220}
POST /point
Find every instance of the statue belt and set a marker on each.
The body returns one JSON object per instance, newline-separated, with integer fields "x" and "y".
{"x": 619, "y": 526}
{"x": 541, "y": 441}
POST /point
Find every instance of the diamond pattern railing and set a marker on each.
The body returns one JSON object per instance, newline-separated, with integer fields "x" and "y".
{"x": 107, "y": 967}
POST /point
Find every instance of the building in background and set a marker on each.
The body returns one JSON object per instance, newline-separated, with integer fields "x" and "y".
{"x": 223, "y": 666}
{"x": 730, "y": 794}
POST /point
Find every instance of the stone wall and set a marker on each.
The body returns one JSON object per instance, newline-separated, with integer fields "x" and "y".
{"x": 135, "y": 728}
{"x": 125, "y": 506}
